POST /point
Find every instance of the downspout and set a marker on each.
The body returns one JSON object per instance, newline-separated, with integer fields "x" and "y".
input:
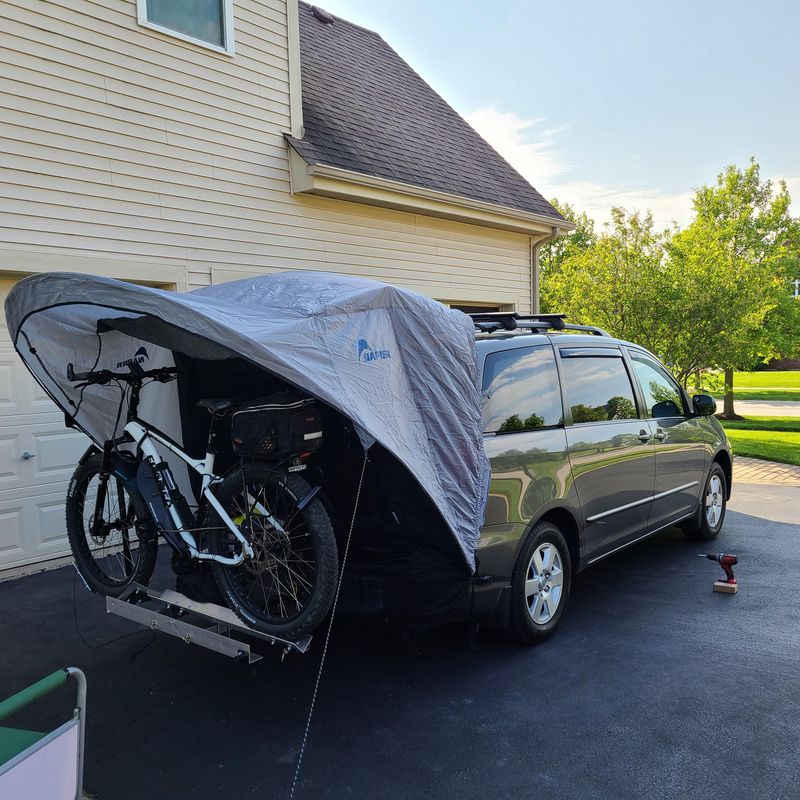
{"x": 535, "y": 245}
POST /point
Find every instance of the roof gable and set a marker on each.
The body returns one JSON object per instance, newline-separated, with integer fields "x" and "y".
{"x": 365, "y": 110}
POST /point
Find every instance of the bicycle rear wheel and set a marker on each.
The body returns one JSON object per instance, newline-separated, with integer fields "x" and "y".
{"x": 288, "y": 588}
{"x": 116, "y": 547}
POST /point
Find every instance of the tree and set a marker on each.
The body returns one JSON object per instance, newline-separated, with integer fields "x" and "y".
{"x": 553, "y": 254}
{"x": 614, "y": 282}
{"x": 714, "y": 295}
{"x": 735, "y": 261}
{"x": 583, "y": 413}
{"x": 621, "y": 408}
{"x": 514, "y": 423}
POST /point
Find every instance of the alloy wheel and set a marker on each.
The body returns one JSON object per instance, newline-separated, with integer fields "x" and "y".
{"x": 714, "y": 501}
{"x": 544, "y": 583}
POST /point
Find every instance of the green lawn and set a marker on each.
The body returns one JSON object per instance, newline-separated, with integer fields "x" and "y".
{"x": 767, "y": 380}
{"x": 771, "y": 438}
{"x": 765, "y": 386}
{"x": 762, "y": 394}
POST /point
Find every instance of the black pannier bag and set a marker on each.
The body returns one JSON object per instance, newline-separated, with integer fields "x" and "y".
{"x": 276, "y": 426}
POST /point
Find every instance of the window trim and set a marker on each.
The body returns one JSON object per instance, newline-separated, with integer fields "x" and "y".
{"x": 227, "y": 49}
{"x": 596, "y": 352}
{"x": 526, "y": 347}
{"x": 633, "y": 353}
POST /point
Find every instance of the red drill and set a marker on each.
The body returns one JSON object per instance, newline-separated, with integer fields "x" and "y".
{"x": 725, "y": 560}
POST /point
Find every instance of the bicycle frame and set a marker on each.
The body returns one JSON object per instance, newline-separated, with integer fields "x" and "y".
{"x": 145, "y": 438}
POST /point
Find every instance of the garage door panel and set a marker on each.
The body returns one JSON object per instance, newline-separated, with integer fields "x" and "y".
{"x": 35, "y": 455}
{"x": 32, "y": 490}
{"x": 33, "y": 529}
{"x": 52, "y": 524}
{"x": 11, "y": 524}
{"x": 8, "y": 456}
{"x": 40, "y": 401}
{"x": 57, "y": 453}
{"x": 9, "y": 394}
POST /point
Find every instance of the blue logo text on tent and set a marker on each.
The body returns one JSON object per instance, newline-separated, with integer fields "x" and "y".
{"x": 367, "y": 354}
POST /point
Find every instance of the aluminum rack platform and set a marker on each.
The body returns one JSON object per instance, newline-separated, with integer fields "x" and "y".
{"x": 214, "y": 636}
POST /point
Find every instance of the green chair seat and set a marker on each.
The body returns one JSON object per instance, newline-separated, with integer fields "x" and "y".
{"x": 14, "y": 740}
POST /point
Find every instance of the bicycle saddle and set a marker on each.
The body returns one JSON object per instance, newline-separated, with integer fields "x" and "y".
{"x": 214, "y": 406}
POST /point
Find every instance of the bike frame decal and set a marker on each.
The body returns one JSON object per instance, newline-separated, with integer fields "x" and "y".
{"x": 144, "y": 436}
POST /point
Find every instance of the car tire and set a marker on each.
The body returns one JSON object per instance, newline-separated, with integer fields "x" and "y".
{"x": 706, "y": 524}
{"x": 540, "y": 585}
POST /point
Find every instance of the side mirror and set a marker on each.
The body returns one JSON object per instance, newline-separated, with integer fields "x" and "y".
{"x": 704, "y": 405}
{"x": 666, "y": 408}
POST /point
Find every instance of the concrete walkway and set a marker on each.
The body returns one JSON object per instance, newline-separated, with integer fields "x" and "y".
{"x": 765, "y": 408}
{"x": 756, "y": 470}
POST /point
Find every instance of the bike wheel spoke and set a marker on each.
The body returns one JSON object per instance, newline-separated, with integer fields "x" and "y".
{"x": 110, "y": 542}
{"x": 279, "y": 581}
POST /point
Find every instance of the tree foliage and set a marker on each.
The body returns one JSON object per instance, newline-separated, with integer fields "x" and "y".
{"x": 555, "y": 253}
{"x": 736, "y": 260}
{"x": 715, "y": 295}
{"x": 514, "y": 423}
{"x": 614, "y": 283}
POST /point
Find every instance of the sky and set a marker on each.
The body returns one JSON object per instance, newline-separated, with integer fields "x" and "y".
{"x": 617, "y": 103}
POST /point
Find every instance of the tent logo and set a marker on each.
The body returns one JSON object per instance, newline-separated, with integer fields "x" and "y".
{"x": 139, "y": 357}
{"x": 366, "y": 354}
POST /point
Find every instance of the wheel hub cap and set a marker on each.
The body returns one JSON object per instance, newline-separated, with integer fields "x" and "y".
{"x": 544, "y": 583}
{"x": 714, "y": 501}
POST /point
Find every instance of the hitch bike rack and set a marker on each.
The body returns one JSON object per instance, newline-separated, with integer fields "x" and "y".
{"x": 208, "y": 625}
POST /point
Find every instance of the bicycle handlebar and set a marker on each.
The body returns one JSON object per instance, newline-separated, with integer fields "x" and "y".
{"x": 102, "y": 376}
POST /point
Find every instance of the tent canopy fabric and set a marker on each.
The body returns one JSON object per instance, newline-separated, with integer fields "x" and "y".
{"x": 401, "y": 367}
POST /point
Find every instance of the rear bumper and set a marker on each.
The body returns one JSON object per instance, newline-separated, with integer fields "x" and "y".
{"x": 487, "y": 602}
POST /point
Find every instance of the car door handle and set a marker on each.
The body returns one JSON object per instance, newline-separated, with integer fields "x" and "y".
{"x": 644, "y": 436}
{"x": 660, "y": 435}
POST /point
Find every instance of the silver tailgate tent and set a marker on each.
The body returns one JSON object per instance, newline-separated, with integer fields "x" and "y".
{"x": 399, "y": 366}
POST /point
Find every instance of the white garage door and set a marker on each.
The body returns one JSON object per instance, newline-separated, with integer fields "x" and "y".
{"x": 37, "y": 457}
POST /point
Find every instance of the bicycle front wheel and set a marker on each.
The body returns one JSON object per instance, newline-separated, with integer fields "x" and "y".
{"x": 288, "y": 587}
{"x": 112, "y": 542}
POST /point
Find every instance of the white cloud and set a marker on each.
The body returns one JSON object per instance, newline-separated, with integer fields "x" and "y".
{"x": 597, "y": 200}
{"x": 535, "y": 153}
{"x": 530, "y": 149}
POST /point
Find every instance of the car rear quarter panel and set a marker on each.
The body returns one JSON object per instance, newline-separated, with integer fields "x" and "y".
{"x": 530, "y": 475}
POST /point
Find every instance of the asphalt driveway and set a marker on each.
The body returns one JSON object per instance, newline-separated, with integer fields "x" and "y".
{"x": 654, "y": 687}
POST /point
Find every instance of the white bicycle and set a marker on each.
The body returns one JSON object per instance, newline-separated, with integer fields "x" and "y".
{"x": 261, "y": 526}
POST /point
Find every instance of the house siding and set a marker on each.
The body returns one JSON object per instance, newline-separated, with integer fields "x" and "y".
{"x": 119, "y": 144}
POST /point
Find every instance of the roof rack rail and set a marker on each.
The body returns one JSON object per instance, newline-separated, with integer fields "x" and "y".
{"x": 489, "y": 322}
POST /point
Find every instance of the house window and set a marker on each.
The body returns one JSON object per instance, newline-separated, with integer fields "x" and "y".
{"x": 205, "y": 22}
{"x": 796, "y": 283}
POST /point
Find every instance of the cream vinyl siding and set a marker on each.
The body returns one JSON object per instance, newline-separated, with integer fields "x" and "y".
{"x": 118, "y": 142}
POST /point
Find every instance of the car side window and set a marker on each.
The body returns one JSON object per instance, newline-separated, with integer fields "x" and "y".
{"x": 521, "y": 390}
{"x": 662, "y": 396}
{"x": 598, "y": 388}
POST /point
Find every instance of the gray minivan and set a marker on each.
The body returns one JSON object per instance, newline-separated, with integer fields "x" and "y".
{"x": 593, "y": 446}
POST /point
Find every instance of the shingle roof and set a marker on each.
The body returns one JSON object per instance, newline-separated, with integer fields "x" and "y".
{"x": 366, "y": 110}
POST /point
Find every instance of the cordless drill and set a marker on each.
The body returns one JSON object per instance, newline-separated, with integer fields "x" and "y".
{"x": 726, "y": 561}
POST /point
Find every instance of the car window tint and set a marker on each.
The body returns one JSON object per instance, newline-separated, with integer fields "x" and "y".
{"x": 520, "y": 390}
{"x": 598, "y": 389}
{"x": 662, "y": 397}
